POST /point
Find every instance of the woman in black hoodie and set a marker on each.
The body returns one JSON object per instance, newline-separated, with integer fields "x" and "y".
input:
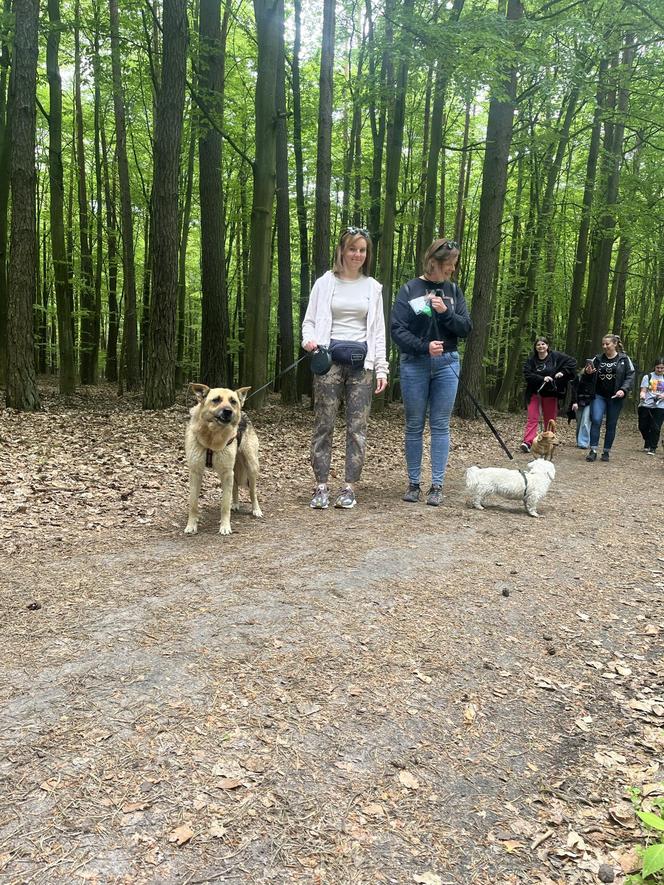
{"x": 547, "y": 373}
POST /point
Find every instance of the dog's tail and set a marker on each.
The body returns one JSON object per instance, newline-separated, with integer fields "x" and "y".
{"x": 551, "y": 426}
{"x": 471, "y": 475}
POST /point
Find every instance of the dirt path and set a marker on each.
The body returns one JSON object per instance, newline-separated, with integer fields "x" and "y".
{"x": 368, "y": 696}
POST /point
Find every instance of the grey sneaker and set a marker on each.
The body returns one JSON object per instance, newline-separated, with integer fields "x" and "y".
{"x": 320, "y": 499}
{"x": 345, "y": 499}
{"x": 412, "y": 494}
{"x": 435, "y": 496}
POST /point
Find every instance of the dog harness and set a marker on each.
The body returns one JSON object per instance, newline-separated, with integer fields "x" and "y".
{"x": 242, "y": 426}
{"x": 525, "y": 480}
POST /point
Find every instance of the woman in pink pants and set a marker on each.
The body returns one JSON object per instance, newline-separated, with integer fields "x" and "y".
{"x": 547, "y": 373}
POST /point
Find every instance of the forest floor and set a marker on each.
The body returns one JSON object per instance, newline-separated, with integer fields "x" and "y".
{"x": 397, "y": 693}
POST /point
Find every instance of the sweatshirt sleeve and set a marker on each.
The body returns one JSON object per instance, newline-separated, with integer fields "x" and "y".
{"x": 400, "y": 322}
{"x": 381, "y": 365}
{"x": 566, "y": 365}
{"x": 628, "y": 383}
{"x": 529, "y": 373}
{"x": 456, "y": 323}
{"x": 309, "y": 321}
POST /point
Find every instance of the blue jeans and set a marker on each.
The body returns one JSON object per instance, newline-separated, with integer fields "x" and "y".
{"x": 598, "y": 408}
{"x": 428, "y": 381}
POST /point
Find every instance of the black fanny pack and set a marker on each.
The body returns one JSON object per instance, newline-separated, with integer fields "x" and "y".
{"x": 348, "y": 353}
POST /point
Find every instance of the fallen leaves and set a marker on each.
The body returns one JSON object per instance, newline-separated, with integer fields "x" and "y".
{"x": 408, "y": 780}
{"x": 181, "y": 835}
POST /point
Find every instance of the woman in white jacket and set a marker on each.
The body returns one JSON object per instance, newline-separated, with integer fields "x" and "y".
{"x": 345, "y": 314}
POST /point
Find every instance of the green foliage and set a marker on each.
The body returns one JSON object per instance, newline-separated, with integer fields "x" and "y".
{"x": 652, "y": 871}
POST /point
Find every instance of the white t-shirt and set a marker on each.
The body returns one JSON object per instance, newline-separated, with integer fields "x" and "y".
{"x": 350, "y": 306}
{"x": 654, "y": 387}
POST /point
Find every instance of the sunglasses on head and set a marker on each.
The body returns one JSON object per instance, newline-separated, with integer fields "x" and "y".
{"x": 353, "y": 231}
{"x": 448, "y": 246}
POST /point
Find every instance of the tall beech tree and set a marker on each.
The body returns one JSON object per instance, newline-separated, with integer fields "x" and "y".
{"x": 321, "y": 244}
{"x": 63, "y": 292}
{"x": 159, "y": 390}
{"x": 269, "y": 16}
{"x": 21, "y": 389}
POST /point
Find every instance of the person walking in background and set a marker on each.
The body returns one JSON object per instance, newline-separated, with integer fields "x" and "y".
{"x": 582, "y": 394}
{"x": 345, "y": 314}
{"x": 547, "y": 373}
{"x": 651, "y": 406}
{"x": 614, "y": 378}
{"x": 428, "y": 318}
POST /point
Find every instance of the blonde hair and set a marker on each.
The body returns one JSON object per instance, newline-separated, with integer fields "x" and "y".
{"x": 348, "y": 237}
{"x": 429, "y": 260}
{"x": 615, "y": 339}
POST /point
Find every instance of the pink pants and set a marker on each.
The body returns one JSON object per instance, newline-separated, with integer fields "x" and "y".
{"x": 549, "y": 412}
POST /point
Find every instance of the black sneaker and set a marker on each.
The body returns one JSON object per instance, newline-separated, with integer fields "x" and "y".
{"x": 525, "y": 448}
{"x": 605, "y": 456}
{"x": 435, "y": 496}
{"x": 413, "y": 493}
{"x": 591, "y": 456}
{"x": 650, "y": 451}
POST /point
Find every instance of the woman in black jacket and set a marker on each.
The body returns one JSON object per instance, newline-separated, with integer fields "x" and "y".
{"x": 547, "y": 373}
{"x": 614, "y": 378}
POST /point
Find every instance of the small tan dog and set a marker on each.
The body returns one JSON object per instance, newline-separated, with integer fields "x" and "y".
{"x": 545, "y": 442}
{"x": 219, "y": 435}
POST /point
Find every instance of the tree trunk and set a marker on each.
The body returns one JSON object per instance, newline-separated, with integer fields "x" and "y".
{"x": 99, "y": 190}
{"x": 130, "y": 370}
{"x": 182, "y": 258}
{"x": 111, "y": 372}
{"x": 63, "y": 295}
{"x": 574, "y": 332}
{"x": 303, "y": 373}
{"x": 269, "y": 18}
{"x": 89, "y": 342}
{"x": 492, "y": 200}
{"x": 288, "y": 381}
{"x": 598, "y": 302}
{"x": 21, "y": 391}
{"x": 159, "y": 391}
{"x": 378, "y": 120}
{"x": 321, "y": 244}
{"x": 5, "y": 139}
{"x": 214, "y": 323}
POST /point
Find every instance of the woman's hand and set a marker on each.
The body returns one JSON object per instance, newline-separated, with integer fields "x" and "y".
{"x": 575, "y": 407}
{"x": 438, "y": 304}
{"x": 381, "y": 385}
{"x": 619, "y": 394}
{"x": 309, "y": 346}
{"x": 436, "y": 348}
{"x": 548, "y": 379}
{"x": 558, "y": 375}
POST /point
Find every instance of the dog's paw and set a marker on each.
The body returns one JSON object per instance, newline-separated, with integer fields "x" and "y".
{"x": 191, "y": 529}
{"x": 533, "y": 513}
{"x": 257, "y": 512}
{"x": 225, "y": 530}
{"x": 235, "y": 507}
{"x": 478, "y": 507}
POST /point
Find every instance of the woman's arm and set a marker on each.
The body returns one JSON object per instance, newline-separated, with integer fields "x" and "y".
{"x": 309, "y": 321}
{"x": 402, "y": 316}
{"x": 381, "y": 365}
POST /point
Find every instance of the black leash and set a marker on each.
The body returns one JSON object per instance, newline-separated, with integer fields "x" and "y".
{"x": 274, "y": 380}
{"x": 484, "y": 415}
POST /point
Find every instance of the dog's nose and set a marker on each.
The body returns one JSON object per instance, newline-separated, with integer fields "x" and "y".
{"x": 225, "y": 414}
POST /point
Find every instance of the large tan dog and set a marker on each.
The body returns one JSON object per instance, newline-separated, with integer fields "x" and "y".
{"x": 220, "y": 435}
{"x": 545, "y": 442}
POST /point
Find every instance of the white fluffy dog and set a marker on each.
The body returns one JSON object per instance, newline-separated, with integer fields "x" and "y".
{"x": 529, "y": 485}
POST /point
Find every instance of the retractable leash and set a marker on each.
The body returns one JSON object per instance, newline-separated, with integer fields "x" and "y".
{"x": 274, "y": 380}
{"x": 479, "y": 408}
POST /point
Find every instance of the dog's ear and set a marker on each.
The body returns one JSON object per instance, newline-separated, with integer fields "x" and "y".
{"x": 242, "y": 393}
{"x": 551, "y": 426}
{"x": 200, "y": 391}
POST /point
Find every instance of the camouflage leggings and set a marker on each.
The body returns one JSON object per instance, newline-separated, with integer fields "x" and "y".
{"x": 355, "y": 386}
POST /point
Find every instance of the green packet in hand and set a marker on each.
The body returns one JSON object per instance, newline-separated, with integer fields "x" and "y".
{"x": 421, "y": 305}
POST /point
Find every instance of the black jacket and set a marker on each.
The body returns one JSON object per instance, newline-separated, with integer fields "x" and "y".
{"x": 624, "y": 372}
{"x": 582, "y": 393}
{"x": 413, "y": 332}
{"x": 536, "y": 370}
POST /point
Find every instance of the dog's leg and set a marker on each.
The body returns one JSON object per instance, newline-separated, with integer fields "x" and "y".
{"x": 531, "y": 507}
{"x": 195, "y": 480}
{"x": 477, "y": 502}
{"x": 236, "y": 496}
{"x": 255, "y": 508}
{"x": 226, "y": 476}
